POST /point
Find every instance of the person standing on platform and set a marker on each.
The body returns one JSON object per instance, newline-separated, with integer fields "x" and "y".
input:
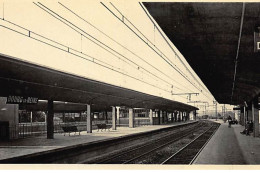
{"x": 229, "y": 121}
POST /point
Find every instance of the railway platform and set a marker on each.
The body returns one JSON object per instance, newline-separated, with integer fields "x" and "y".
{"x": 36, "y": 145}
{"x": 229, "y": 147}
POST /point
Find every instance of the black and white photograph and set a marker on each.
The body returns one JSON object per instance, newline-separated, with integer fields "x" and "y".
{"x": 128, "y": 84}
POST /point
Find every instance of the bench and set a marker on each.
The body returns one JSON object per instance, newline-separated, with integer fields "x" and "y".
{"x": 69, "y": 129}
{"x": 103, "y": 126}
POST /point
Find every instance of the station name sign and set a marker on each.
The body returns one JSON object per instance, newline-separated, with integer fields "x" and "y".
{"x": 257, "y": 40}
{"x": 21, "y": 100}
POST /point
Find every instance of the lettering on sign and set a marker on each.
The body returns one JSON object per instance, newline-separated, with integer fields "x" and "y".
{"x": 21, "y": 100}
{"x": 257, "y": 39}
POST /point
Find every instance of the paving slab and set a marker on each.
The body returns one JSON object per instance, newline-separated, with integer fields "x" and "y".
{"x": 229, "y": 147}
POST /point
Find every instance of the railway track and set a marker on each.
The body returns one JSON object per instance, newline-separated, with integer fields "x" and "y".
{"x": 130, "y": 155}
{"x": 138, "y": 143}
{"x": 189, "y": 153}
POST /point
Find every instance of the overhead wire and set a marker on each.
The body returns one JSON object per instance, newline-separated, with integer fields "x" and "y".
{"x": 81, "y": 30}
{"x": 94, "y": 60}
{"x": 172, "y": 48}
{"x": 147, "y": 43}
{"x": 87, "y": 34}
{"x": 68, "y": 50}
{"x": 121, "y": 45}
{"x": 237, "y": 52}
{"x": 141, "y": 38}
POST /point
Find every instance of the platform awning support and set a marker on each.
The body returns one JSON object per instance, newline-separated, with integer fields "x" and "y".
{"x": 131, "y": 118}
{"x": 151, "y": 116}
{"x": 255, "y": 113}
{"x": 89, "y": 120}
{"x": 113, "y": 118}
{"x": 245, "y": 116}
{"x": 242, "y": 117}
{"x": 118, "y": 115}
{"x": 50, "y": 125}
{"x": 195, "y": 115}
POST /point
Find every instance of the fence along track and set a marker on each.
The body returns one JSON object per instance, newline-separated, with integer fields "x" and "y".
{"x": 189, "y": 152}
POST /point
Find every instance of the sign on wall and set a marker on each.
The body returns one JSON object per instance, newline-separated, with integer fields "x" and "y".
{"x": 257, "y": 40}
{"x": 21, "y": 100}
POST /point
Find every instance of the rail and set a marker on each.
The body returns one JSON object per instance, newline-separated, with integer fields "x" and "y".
{"x": 169, "y": 137}
{"x": 180, "y": 157}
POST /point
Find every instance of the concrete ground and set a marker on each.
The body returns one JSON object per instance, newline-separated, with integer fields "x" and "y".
{"x": 229, "y": 147}
{"x": 31, "y": 145}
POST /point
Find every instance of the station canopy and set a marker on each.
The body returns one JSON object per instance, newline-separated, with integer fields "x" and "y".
{"x": 19, "y": 78}
{"x": 207, "y": 34}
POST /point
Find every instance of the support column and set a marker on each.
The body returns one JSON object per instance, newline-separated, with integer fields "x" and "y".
{"x": 195, "y": 115}
{"x": 63, "y": 116}
{"x": 118, "y": 115}
{"x": 89, "y": 120}
{"x": 242, "y": 118}
{"x": 250, "y": 114}
{"x": 151, "y": 116}
{"x": 50, "y": 125}
{"x": 255, "y": 113}
{"x": 80, "y": 116}
{"x": 131, "y": 118}
{"x": 165, "y": 117}
{"x": 245, "y": 116}
{"x": 113, "y": 118}
{"x": 162, "y": 115}
{"x": 159, "y": 117}
{"x": 172, "y": 117}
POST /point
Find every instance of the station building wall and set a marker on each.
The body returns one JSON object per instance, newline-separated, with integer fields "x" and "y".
{"x": 10, "y": 112}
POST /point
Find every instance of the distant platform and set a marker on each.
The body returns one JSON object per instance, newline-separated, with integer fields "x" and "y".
{"x": 34, "y": 145}
{"x": 229, "y": 147}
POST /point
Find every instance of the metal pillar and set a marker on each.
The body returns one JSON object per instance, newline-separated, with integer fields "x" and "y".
{"x": 162, "y": 113}
{"x": 216, "y": 111}
{"x": 50, "y": 124}
{"x": 242, "y": 118}
{"x": 159, "y": 117}
{"x": 245, "y": 116}
{"x": 176, "y": 116}
{"x": 131, "y": 118}
{"x": 250, "y": 114}
{"x": 89, "y": 120}
{"x": 63, "y": 116}
{"x": 118, "y": 115}
{"x": 113, "y": 118}
{"x": 106, "y": 116}
{"x": 151, "y": 116}
{"x": 255, "y": 113}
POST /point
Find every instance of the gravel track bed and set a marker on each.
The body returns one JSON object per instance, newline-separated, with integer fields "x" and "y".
{"x": 132, "y": 154}
{"x": 95, "y": 156}
{"x": 160, "y": 155}
{"x": 188, "y": 153}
